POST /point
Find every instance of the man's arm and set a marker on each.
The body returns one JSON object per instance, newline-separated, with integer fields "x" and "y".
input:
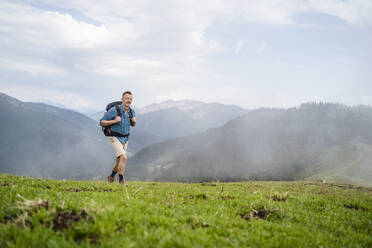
{"x": 105, "y": 123}
{"x": 133, "y": 121}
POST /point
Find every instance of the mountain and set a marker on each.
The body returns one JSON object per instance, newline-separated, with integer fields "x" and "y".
{"x": 97, "y": 115}
{"x": 265, "y": 144}
{"x": 183, "y": 105}
{"x": 44, "y": 141}
{"x": 349, "y": 163}
{"x": 181, "y": 118}
{"x": 160, "y": 121}
{"x": 54, "y": 104}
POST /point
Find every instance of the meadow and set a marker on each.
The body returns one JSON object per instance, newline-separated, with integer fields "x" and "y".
{"x": 61, "y": 213}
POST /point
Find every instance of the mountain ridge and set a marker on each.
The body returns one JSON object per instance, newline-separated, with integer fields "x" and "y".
{"x": 265, "y": 144}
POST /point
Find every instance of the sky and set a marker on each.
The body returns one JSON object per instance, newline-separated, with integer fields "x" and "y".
{"x": 270, "y": 53}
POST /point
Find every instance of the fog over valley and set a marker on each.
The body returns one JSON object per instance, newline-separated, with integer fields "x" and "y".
{"x": 325, "y": 141}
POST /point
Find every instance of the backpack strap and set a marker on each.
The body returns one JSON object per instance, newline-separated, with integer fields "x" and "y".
{"x": 118, "y": 110}
{"x": 131, "y": 116}
{"x": 130, "y": 113}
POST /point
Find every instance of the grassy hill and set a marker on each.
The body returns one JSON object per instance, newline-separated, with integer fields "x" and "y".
{"x": 51, "y": 213}
{"x": 350, "y": 163}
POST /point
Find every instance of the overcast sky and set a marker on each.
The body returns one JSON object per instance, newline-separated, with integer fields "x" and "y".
{"x": 269, "y": 53}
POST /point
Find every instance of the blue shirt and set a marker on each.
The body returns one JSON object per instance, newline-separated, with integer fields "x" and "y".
{"x": 123, "y": 126}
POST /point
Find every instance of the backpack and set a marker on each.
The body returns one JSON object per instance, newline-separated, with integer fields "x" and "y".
{"x": 106, "y": 130}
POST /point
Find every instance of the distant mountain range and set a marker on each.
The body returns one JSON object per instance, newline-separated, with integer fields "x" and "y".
{"x": 315, "y": 140}
{"x": 172, "y": 118}
{"x": 193, "y": 141}
{"x": 183, "y": 105}
{"x": 41, "y": 140}
{"x": 45, "y": 141}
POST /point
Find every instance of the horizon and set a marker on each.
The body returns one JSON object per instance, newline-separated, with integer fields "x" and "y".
{"x": 58, "y": 105}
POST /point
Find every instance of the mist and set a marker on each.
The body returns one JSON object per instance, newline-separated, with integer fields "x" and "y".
{"x": 43, "y": 141}
{"x": 324, "y": 141}
{"x": 269, "y": 144}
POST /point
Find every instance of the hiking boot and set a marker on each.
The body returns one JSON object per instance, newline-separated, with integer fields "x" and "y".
{"x": 110, "y": 179}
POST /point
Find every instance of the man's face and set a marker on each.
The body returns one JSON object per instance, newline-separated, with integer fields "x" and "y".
{"x": 127, "y": 100}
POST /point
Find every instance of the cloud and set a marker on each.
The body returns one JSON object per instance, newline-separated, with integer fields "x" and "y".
{"x": 239, "y": 45}
{"x": 156, "y": 48}
{"x": 357, "y": 12}
{"x": 262, "y": 46}
{"x": 48, "y": 29}
{"x": 40, "y": 67}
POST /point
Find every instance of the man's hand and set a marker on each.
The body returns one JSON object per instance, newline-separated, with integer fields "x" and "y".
{"x": 105, "y": 123}
{"x": 117, "y": 119}
{"x": 133, "y": 121}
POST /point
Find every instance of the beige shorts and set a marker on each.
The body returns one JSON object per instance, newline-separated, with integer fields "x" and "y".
{"x": 119, "y": 148}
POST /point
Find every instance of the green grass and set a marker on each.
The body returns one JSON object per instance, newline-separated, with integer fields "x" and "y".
{"x": 50, "y": 213}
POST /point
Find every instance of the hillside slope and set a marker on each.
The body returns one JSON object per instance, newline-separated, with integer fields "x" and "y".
{"x": 44, "y": 141}
{"x": 265, "y": 144}
{"x": 181, "y": 118}
{"x": 350, "y": 163}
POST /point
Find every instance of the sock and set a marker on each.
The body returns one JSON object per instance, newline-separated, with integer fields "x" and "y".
{"x": 121, "y": 177}
{"x": 113, "y": 173}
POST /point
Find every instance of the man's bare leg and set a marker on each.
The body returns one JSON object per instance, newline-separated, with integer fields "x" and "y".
{"x": 115, "y": 168}
{"x": 111, "y": 178}
{"x": 121, "y": 167}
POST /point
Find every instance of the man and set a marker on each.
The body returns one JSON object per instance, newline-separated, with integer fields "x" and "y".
{"x": 120, "y": 128}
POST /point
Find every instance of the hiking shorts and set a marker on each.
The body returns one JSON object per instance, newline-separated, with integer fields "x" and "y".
{"x": 119, "y": 148}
